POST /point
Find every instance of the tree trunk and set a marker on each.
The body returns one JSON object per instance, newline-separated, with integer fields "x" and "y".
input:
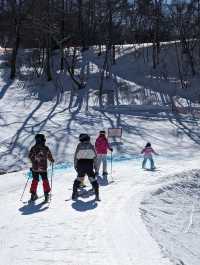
{"x": 14, "y": 53}
{"x": 48, "y": 48}
{"x": 62, "y": 29}
{"x": 113, "y": 54}
{"x": 48, "y": 66}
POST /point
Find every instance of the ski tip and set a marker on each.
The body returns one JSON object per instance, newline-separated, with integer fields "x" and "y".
{"x": 68, "y": 199}
{"x": 45, "y": 202}
{"x": 112, "y": 181}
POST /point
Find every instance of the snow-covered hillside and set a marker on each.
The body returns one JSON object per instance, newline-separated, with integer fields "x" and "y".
{"x": 144, "y": 217}
{"x": 29, "y": 106}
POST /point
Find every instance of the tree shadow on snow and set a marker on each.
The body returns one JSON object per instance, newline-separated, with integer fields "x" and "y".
{"x": 186, "y": 126}
{"x": 32, "y": 208}
{"x": 83, "y": 206}
{"x": 5, "y": 88}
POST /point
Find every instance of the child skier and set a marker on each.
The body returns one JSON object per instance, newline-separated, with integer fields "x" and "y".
{"x": 39, "y": 154}
{"x": 84, "y": 163}
{"x": 102, "y": 146}
{"x": 148, "y": 151}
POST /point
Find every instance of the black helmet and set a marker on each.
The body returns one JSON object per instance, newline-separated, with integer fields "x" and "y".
{"x": 148, "y": 145}
{"x": 84, "y": 137}
{"x": 40, "y": 138}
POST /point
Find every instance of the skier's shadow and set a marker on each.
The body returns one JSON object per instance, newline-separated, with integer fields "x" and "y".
{"x": 103, "y": 181}
{"x": 152, "y": 170}
{"x": 83, "y": 206}
{"x": 85, "y": 193}
{"x": 32, "y": 208}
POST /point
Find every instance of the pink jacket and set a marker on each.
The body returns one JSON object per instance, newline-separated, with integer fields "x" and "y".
{"x": 102, "y": 145}
{"x": 147, "y": 151}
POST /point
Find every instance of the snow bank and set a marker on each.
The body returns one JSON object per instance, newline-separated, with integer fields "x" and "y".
{"x": 172, "y": 216}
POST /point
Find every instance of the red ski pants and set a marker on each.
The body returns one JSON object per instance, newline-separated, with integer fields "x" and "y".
{"x": 35, "y": 181}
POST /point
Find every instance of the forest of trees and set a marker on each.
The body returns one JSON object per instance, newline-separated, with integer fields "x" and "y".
{"x": 56, "y": 24}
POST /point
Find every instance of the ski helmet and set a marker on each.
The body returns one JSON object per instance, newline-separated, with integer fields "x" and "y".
{"x": 40, "y": 138}
{"x": 148, "y": 145}
{"x": 84, "y": 137}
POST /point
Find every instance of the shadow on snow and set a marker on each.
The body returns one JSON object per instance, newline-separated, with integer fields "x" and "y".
{"x": 83, "y": 206}
{"x": 32, "y": 208}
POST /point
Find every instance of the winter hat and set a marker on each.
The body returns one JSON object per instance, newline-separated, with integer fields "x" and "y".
{"x": 84, "y": 137}
{"x": 148, "y": 145}
{"x": 40, "y": 138}
{"x": 102, "y": 132}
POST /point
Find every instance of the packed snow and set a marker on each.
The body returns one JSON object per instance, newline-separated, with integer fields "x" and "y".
{"x": 144, "y": 217}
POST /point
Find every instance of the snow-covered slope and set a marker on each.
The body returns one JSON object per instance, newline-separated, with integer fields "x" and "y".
{"x": 108, "y": 232}
{"x": 172, "y": 216}
{"x": 144, "y": 218}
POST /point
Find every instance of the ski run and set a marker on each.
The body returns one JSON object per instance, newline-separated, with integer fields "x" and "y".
{"x": 116, "y": 230}
{"x": 144, "y": 217}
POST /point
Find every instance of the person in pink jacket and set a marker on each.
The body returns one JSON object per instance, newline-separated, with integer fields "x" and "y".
{"x": 102, "y": 146}
{"x": 148, "y": 151}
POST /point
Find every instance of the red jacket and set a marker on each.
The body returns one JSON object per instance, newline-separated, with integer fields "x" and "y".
{"x": 102, "y": 145}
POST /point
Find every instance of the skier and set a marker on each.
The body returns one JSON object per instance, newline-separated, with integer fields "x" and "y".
{"x": 102, "y": 146}
{"x": 84, "y": 163}
{"x": 148, "y": 151}
{"x": 39, "y": 154}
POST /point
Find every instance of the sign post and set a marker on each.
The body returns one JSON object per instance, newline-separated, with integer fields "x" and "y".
{"x": 115, "y": 132}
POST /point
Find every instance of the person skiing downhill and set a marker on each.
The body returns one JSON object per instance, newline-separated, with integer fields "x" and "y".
{"x": 85, "y": 163}
{"x": 148, "y": 151}
{"x": 39, "y": 154}
{"x": 102, "y": 146}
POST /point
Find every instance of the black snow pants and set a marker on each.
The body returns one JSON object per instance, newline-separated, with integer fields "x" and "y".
{"x": 85, "y": 167}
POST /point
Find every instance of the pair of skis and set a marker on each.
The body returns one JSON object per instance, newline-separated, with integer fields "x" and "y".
{"x": 39, "y": 197}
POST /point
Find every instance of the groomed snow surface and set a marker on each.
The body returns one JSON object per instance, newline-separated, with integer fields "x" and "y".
{"x": 144, "y": 217}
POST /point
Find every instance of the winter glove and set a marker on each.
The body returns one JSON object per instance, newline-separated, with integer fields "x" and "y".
{"x": 52, "y": 161}
{"x": 111, "y": 149}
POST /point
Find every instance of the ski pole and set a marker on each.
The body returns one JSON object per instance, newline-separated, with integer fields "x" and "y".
{"x": 25, "y": 187}
{"x": 51, "y": 180}
{"x": 111, "y": 168}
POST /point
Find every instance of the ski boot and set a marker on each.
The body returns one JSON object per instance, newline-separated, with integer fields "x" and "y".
{"x": 34, "y": 197}
{"x": 75, "y": 188}
{"x": 95, "y": 187}
{"x": 97, "y": 198}
{"x": 46, "y": 197}
{"x": 74, "y": 196}
{"x": 96, "y": 174}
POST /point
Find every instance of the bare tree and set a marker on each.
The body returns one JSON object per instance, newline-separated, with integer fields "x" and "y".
{"x": 17, "y": 20}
